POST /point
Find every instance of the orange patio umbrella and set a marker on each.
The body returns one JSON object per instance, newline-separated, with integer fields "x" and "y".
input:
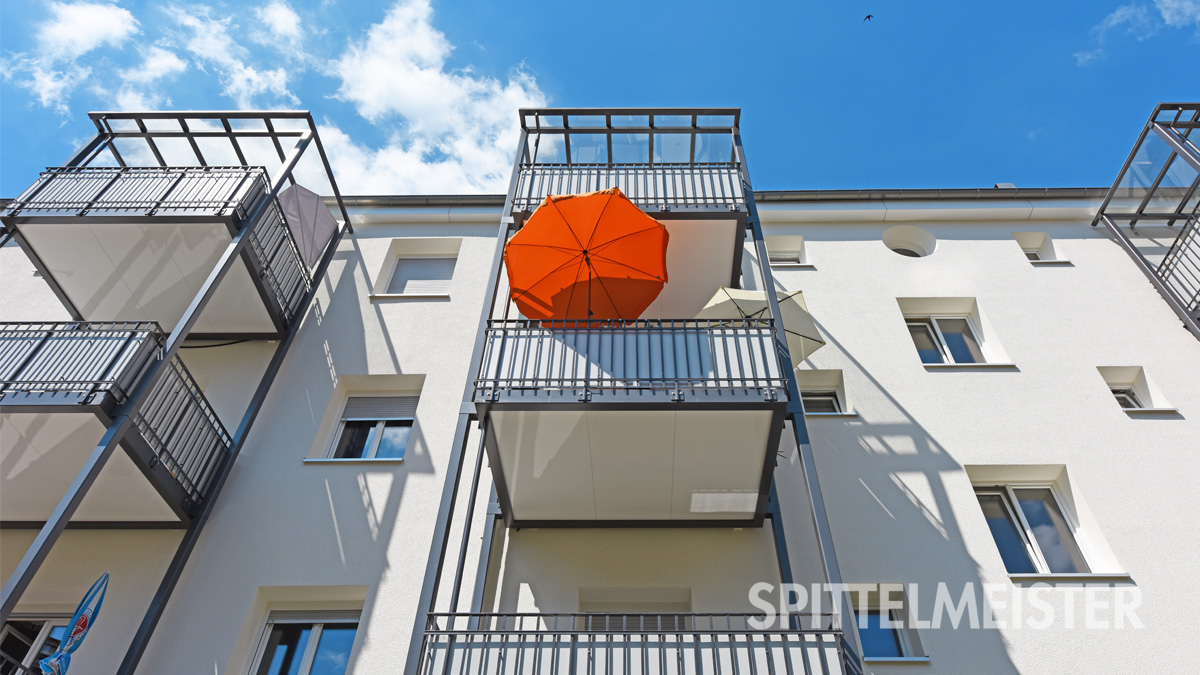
{"x": 587, "y": 256}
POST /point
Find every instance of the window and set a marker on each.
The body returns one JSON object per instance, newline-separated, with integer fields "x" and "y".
{"x": 297, "y": 643}
{"x": 1127, "y": 397}
{"x": 879, "y": 641}
{"x": 1032, "y": 253}
{"x": 945, "y": 339}
{"x": 1038, "y": 247}
{"x": 1134, "y": 391}
{"x": 883, "y": 627}
{"x": 818, "y": 402}
{"x": 421, "y": 276}
{"x": 1031, "y": 530}
{"x": 374, "y": 427}
{"x": 417, "y": 267}
{"x": 25, "y": 642}
{"x": 786, "y": 250}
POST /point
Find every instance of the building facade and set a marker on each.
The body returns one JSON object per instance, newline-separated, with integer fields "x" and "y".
{"x": 316, "y": 436}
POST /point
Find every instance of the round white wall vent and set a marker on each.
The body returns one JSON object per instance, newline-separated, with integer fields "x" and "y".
{"x": 908, "y": 240}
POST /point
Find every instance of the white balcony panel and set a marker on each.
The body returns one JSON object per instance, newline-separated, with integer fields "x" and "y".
{"x": 148, "y": 271}
{"x": 632, "y": 465}
{"x": 699, "y": 263}
{"x": 40, "y": 455}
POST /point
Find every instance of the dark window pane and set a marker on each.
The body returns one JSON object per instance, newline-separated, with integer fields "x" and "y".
{"x": 395, "y": 439}
{"x": 1007, "y": 535}
{"x": 333, "y": 651}
{"x": 960, "y": 341}
{"x": 284, "y": 650}
{"x": 1033, "y": 255}
{"x": 18, "y": 640}
{"x": 907, "y": 252}
{"x": 922, "y": 336}
{"x": 820, "y": 403}
{"x": 354, "y": 441}
{"x": 1051, "y": 531}
{"x": 878, "y": 641}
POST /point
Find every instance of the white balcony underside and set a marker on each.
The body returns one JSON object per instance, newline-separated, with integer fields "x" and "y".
{"x": 41, "y": 454}
{"x": 654, "y": 465}
{"x": 148, "y": 272}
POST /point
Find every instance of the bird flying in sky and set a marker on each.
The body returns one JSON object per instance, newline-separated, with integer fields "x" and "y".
{"x": 869, "y": 17}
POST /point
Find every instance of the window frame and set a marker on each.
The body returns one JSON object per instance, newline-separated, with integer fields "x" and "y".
{"x": 786, "y": 258}
{"x": 830, "y": 394}
{"x": 51, "y": 621}
{"x": 930, "y": 322}
{"x": 1007, "y": 494}
{"x": 317, "y": 619}
{"x": 399, "y": 258}
{"x": 1131, "y": 393}
{"x": 1033, "y": 254}
{"x": 377, "y": 435}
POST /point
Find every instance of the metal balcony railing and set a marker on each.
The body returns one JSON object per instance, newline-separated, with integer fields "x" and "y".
{"x": 83, "y": 359}
{"x": 147, "y": 191}
{"x": 282, "y": 270}
{"x": 1180, "y": 268}
{"x": 86, "y": 359}
{"x": 632, "y": 644}
{"x": 652, "y": 186}
{"x": 183, "y": 430}
{"x": 630, "y": 356}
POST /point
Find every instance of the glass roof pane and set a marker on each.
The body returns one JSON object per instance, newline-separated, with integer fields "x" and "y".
{"x": 591, "y": 121}
{"x": 589, "y": 148}
{"x": 672, "y": 148}
{"x": 673, "y": 121}
{"x": 630, "y": 120}
{"x": 715, "y": 120}
{"x": 631, "y": 148}
{"x": 549, "y": 121}
{"x": 548, "y": 149}
{"x": 1149, "y": 162}
{"x": 714, "y": 148}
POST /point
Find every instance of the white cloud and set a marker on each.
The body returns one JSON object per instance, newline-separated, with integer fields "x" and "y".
{"x": 156, "y": 64}
{"x": 77, "y": 28}
{"x": 284, "y": 31}
{"x": 453, "y": 131}
{"x": 1179, "y": 13}
{"x": 1140, "y": 21}
{"x": 49, "y": 71}
{"x": 211, "y": 44}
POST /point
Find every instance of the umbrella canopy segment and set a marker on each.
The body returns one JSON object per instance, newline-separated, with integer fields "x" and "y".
{"x": 803, "y": 338}
{"x": 587, "y": 256}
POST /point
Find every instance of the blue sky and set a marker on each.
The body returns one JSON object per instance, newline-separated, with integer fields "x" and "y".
{"x": 420, "y": 97}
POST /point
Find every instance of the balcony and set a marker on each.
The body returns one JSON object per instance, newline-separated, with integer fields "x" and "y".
{"x": 631, "y": 644}
{"x": 138, "y": 243}
{"x": 655, "y": 187}
{"x": 636, "y": 422}
{"x": 60, "y": 386}
{"x": 1153, "y": 207}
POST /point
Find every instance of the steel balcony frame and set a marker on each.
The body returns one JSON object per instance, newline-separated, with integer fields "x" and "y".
{"x": 298, "y": 130}
{"x": 1177, "y": 277}
{"x": 437, "y": 571}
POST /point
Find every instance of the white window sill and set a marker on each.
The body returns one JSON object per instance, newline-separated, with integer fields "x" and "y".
{"x": 367, "y": 460}
{"x": 896, "y": 659}
{"x": 1050, "y": 263}
{"x": 969, "y": 366}
{"x": 408, "y": 296}
{"x": 1073, "y": 578}
{"x": 1151, "y": 411}
{"x": 837, "y": 414}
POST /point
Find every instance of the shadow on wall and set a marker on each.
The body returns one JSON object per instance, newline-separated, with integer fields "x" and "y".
{"x": 885, "y": 482}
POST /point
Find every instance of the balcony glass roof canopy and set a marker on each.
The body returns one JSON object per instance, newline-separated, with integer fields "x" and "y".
{"x": 1160, "y": 180}
{"x": 629, "y": 135}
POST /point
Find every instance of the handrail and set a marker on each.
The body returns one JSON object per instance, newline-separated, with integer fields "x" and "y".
{"x": 657, "y": 186}
{"x": 669, "y": 354}
{"x": 679, "y": 643}
{"x": 214, "y": 190}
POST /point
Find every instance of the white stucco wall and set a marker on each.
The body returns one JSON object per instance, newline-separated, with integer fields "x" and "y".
{"x": 900, "y": 503}
{"x": 291, "y": 534}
